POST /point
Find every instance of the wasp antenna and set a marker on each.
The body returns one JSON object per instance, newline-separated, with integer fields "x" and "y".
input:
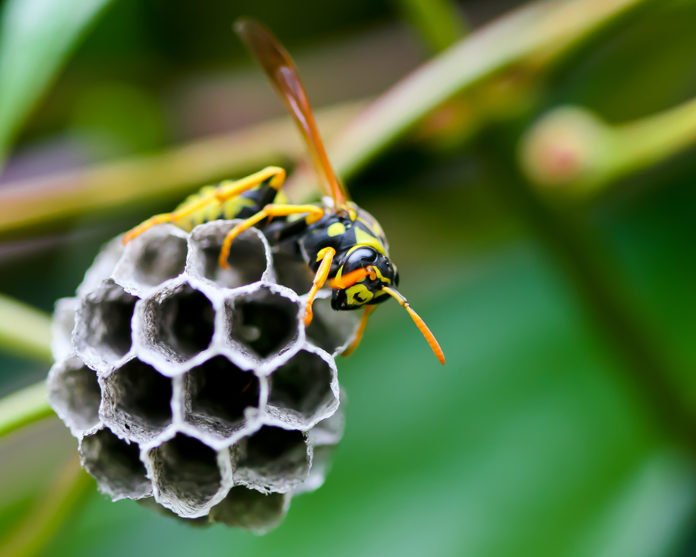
{"x": 422, "y": 327}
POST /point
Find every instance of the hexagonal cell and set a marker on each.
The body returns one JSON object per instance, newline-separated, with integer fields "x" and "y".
{"x": 62, "y": 326}
{"x": 178, "y": 324}
{"x": 103, "y": 325}
{"x": 292, "y": 271}
{"x": 74, "y": 394}
{"x": 248, "y": 257}
{"x": 331, "y": 330}
{"x": 264, "y": 322}
{"x": 102, "y": 267}
{"x": 272, "y": 459}
{"x": 198, "y": 522}
{"x": 216, "y": 394}
{"x": 116, "y": 465}
{"x": 150, "y": 259}
{"x": 303, "y": 391}
{"x": 185, "y": 475}
{"x": 330, "y": 430}
{"x": 321, "y": 462}
{"x": 250, "y": 509}
{"x": 137, "y": 401}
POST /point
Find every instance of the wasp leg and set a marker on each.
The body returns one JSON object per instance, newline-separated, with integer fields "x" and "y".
{"x": 313, "y": 212}
{"x": 326, "y": 255}
{"x": 361, "y": 330}
{"x": 218, "y": 196}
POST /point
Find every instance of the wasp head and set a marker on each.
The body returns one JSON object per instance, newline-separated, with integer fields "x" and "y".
{"x": 361, "y": 278}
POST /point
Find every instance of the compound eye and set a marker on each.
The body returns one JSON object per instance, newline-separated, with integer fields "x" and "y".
{"x": 361, "y": 258}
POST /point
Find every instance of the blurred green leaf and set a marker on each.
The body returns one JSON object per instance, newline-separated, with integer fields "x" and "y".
{"x": 36, "y": 37}
{"x": 526, "y": 443}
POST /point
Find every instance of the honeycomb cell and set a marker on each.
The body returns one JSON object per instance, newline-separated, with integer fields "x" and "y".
{"x": 248, "y": 259}
{"x": 116, "y": 465}
{"x": 178, "y": 323}
{"x": 216, "y": 395}
{"x": 330, "y": 430}
{"x": 331, "y": 330}
{"x": 102, "y": 267}
{"x": 194, "y": 389}
{"x": 198, "y": 522}
{"x": 62, "y": 327}
{"x": 186, "y": 476}
{"x": 292, "y": 271}
{"x": 74, "y": 393}
{"x": 250, "y": 509}
{"x": 303, "y": 391}
{"x": 103, "y": 326}
{"x": 137, "y": 401}
{"x": 263, "y": 323}
{"x": 272, "y": 459}
{"x": 150, "y": 259}
{"x": 321, "y": 462}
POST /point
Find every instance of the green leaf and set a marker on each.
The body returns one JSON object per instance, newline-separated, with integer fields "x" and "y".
{"x": 525, "y": 443}
{"x": 36, "y": 38}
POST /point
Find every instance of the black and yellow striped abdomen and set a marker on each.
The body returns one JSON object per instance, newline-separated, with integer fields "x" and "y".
{"x": 239, "y": 207}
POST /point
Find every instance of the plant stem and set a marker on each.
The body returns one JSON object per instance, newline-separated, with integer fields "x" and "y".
{"x": 60, "y": 501}
{"x": 439, "y": 23}
{"x": 538, "y": 32}
{"x": 24, "y": 330}
{"x": 23, "y": 407}
{"x": 574, "y": 152}
{"x": 110, "y": 185}
{"x": 650, "y": 140}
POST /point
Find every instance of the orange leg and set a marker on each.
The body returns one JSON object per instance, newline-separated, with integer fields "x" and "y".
{"x": 361, "y": 330}
{"x": 219, "y": 196}
{"x": 326, "y": 255}
{"x": 313, "y": 212}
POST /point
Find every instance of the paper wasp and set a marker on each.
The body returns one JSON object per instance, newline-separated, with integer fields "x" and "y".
{"x": 343, "y": 245}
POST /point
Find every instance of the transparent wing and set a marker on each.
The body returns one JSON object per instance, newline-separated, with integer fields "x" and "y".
{"x": 279, "y": 67}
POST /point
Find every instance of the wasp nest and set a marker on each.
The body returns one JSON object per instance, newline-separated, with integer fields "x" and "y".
{"x": 197, "y": 388}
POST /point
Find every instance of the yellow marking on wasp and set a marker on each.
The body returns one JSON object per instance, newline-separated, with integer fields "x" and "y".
{"x": 378, "y": 274}
{"x": 197, "y": 206}
{"x": 363, "y": 239}
{"x": 373, "y": 226}
{"x": 336, "y": 229}
{"x": 358, "y": 294}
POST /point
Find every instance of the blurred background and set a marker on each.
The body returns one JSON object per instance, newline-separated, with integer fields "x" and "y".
{"x": 536, "y": 183}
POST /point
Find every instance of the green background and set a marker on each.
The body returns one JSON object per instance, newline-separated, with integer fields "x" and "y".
{"x": 568, "y": 328}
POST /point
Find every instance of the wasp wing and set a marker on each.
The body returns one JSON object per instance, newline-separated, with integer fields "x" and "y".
{"x": 281, "y": 70}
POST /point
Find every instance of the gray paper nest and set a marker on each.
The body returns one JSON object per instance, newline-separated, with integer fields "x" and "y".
{"x": 195, "y": 388}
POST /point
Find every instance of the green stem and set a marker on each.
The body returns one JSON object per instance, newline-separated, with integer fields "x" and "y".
{"x": 23, "y": 407}
{"x": 110, "y": 185}
{"x": 52, "y": 508}
{"x": 574, "y": 151}
{"x": 439, "y": 23}
{"x": 537, "y": 33}
{"x": 645, "y": 142}
{"x": 24, "y": 330}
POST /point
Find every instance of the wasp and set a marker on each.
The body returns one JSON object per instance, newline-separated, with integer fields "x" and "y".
{"x": 342, "y": 244}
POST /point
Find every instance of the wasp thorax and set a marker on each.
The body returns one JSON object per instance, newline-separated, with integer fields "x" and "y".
{"x": 198, "y": 390}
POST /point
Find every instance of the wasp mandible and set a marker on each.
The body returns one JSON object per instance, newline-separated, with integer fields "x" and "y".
{"x": 342, "y": 244}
